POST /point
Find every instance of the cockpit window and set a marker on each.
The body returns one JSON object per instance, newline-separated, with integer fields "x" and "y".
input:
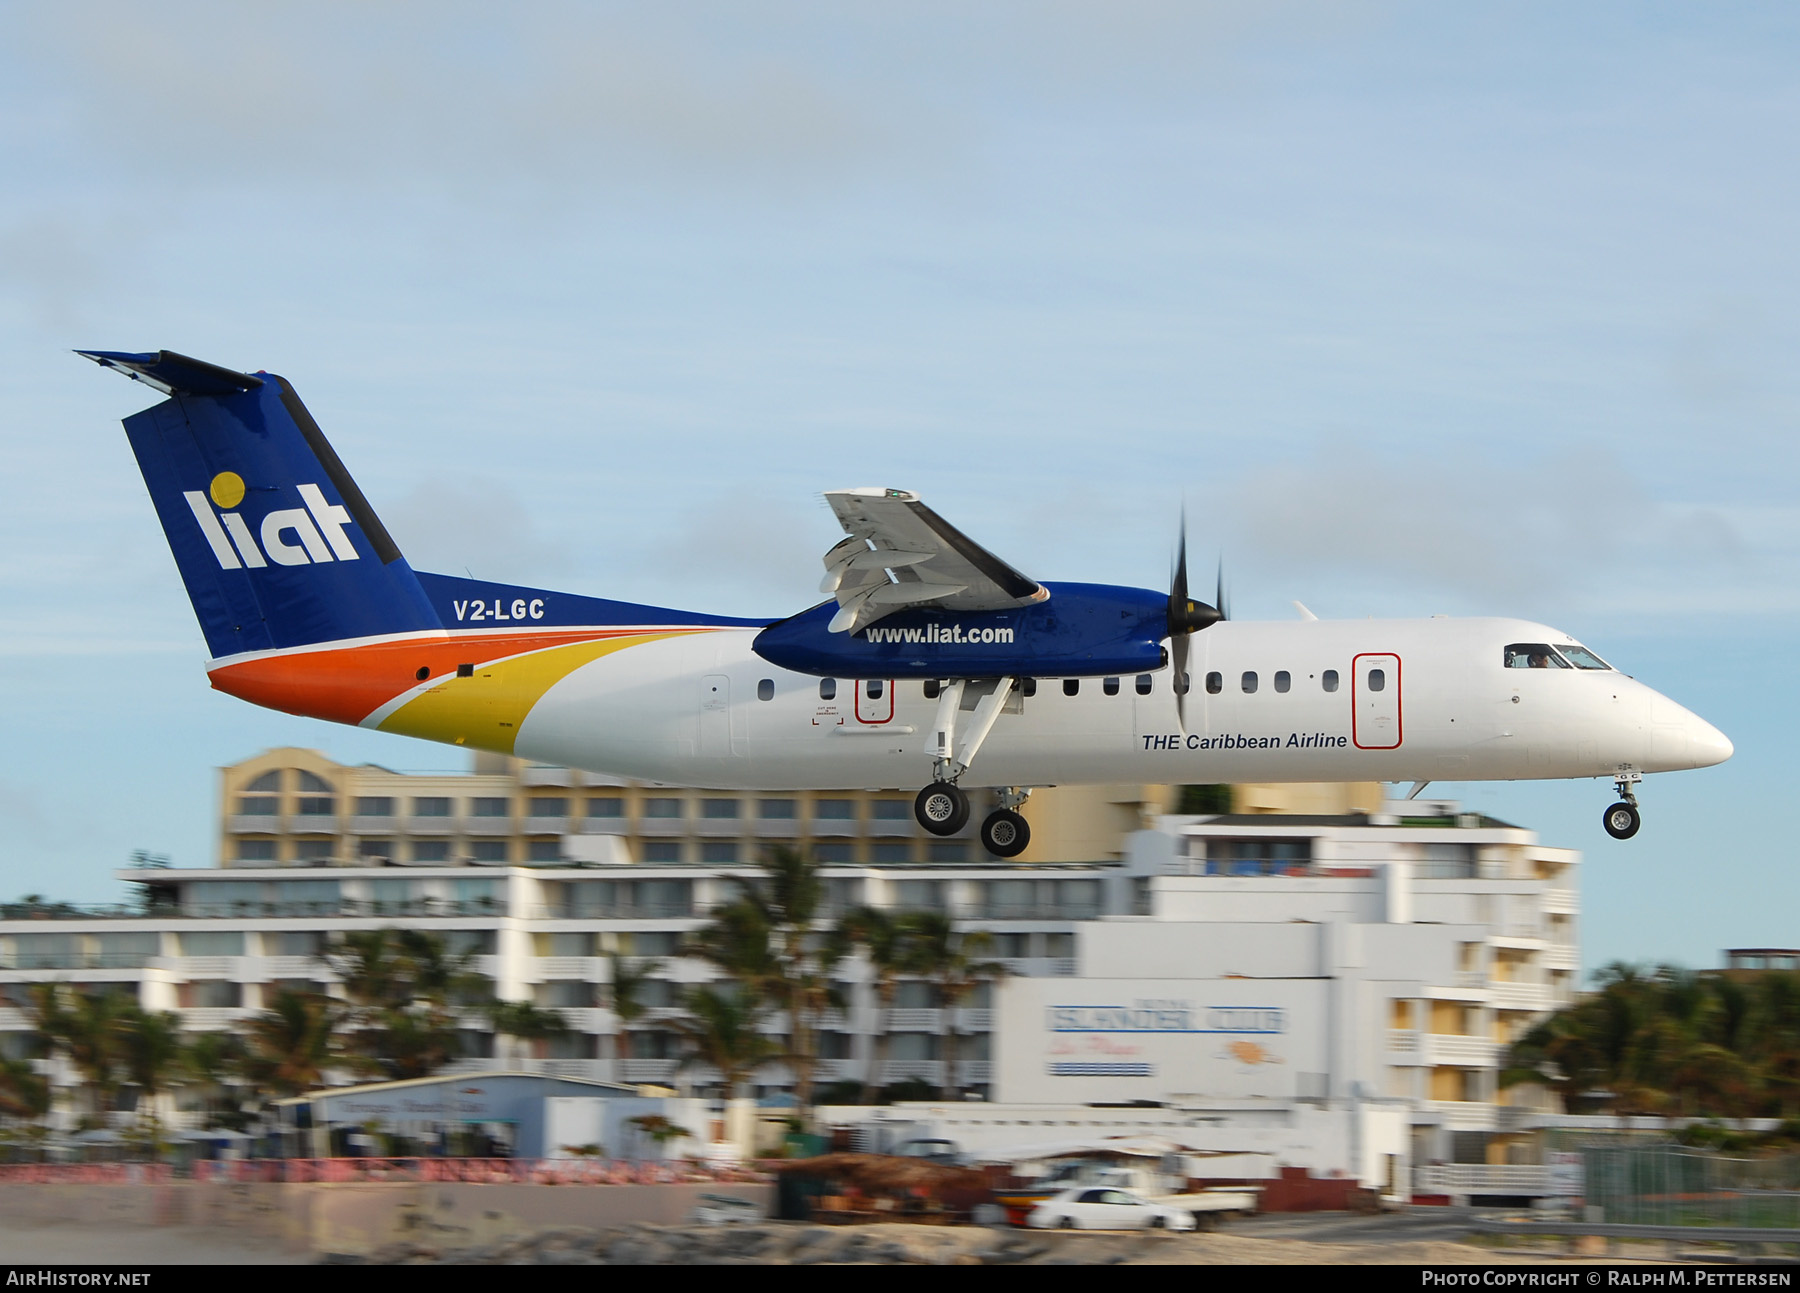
{"x": 1582, "y": 658}
{"x": 1534, "y": 655}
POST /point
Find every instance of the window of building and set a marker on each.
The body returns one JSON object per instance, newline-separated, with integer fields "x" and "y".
{"x": 313, "y": 850}
{"x": 1378, "y": 680}
{"x": 1059, "y": 945}
{"x": 374, "y": 850}
{"x": 1143, "y": 684}
{"x": 1257, "y": 856}
{"x": 1329, "y": 680}
{"x": 662, "y": 850}
{"x": 209, "y": 994}
{"x": 548, "y": 806}
{"x": 317, "y": 806}
{"x": 211, "y": 942}
{"x": 431, "y": 806}
{"x": 431, "y": 850}
{"x": 374, "y": 806}
{"x": 490, "y": 806}
{"x": 128, "y": 951}
{"x": 311, "y": 783}
{"x": 1215, "y": 683}
{"x": 1077, "y": 900}
{"x": 719, "y": 852}
{"x": 920, "y": 895}
{"x": 566, "y": 994}
{"x": 949, "y": 850}
{"x": 1071, "y": 686}
{"x": 46, "y": 951}
{"x": 482, "y": 892}
{"x": 832, "y": 853}
{"x": 256, "y": 850}
{"x": 221, "y": 897}
{"x": 293, "y": 942}
{"x": 1248, "y": 682}
{"x": 314, "y": 897}
{"x": 775, "y": 810}
{"x": 470, "y": 942}
{"x": 828, "y": 689}
{"x": 611, "y": 807}
{"x": 834, "y": 810}
{"x": 1283, "y": 680}
{"x": 270, "y": 781}
{"x": 890, "y": 853}
{"x": 765, "y": 689}
{"x": 892, "y": 810}
{"x": 662, "y": 806}
{"x": 258, "y": 805}
{"x": 656, "y": 943}
{"x": 1110, "y": 686}
{"x": 390, "y": 896}
{"x": 720, "y": 810}
{"x": 912, "y": 994}
{"x": 488, "y": 850}
{"x": 835, "y": 1046}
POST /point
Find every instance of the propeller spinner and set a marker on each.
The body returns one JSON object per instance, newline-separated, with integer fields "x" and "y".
{"x": 1187, "y": 617}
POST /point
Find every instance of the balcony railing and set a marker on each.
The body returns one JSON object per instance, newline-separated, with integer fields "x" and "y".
{"x": 443, "y": 908}
{"x": 616, "y": 911}
{"x": 662, "y": 1071}
{"x": 1481, "y": 1178}
{"x": 1059, "y": 911}
{"x": 1444, "y": 1049}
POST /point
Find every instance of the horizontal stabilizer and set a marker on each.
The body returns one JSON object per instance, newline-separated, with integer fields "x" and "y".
{"x": 173, "y": 373}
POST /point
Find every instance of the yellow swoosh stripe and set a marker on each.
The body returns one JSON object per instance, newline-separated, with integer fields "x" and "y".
{"x": 485, "y": 711}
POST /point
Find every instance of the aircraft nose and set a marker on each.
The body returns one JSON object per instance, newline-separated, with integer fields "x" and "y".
{"x": 1708, "y": 744}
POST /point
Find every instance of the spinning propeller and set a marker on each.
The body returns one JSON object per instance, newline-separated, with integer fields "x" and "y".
{"x": 1187, "y": 617}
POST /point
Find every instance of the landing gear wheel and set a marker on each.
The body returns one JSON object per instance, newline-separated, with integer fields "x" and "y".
{"x": 1621, "y": 820}
{"x": 941, "y": 808}
{"x": 1004, "y": 833}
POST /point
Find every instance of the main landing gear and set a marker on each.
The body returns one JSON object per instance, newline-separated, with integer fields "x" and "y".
{"x": 942, "y": 808}
{"x": 1622, "y": 819}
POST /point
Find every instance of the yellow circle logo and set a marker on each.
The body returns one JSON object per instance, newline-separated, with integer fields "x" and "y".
{"x": 227, "y": 489}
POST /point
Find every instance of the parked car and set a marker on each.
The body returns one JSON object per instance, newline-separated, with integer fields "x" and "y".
{"x": 723, "y": 1210}
{"x": 932, "y": 1151}
{"x": 1106, "y": 1209}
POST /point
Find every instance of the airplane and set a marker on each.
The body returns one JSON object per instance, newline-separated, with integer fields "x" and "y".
{"x": 930, "y": 657}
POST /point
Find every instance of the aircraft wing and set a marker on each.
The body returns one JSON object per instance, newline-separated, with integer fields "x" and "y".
{"x": 900, "y": 553}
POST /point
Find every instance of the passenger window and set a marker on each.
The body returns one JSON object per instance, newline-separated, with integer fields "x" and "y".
{"x": 1071, "y": 686}
{"x": 1249, "y": 682}
{"x": 1533, "y": 655}
{"x": 872, "y": 689}
{"x": 1110, "y": 686}
{"x": 1181, "y": 682}
{"x": 828, "y": 689}
{"x": 1215, "y": 683}
{"x": 1283, "y": 680}
{"x": 932, "y": 688}
{"x": 765, "y": 690}
{"x": 1028, "y": 686}
{"x": 1143, "y": 684}
{"x": 1329, "y": 680}
{"x": 1378, "y": 680}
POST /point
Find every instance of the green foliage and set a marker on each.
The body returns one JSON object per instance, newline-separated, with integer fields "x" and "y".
{"x": 403, "y": 985}
{"x": 1666, "y": 1041}
{"x": 722, "y": 1031}
{"x": 1204, "y": 799}
{"x": 291, "y": 1044}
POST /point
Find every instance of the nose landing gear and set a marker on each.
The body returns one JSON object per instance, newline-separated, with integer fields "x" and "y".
{"x": 1622, "y": 819}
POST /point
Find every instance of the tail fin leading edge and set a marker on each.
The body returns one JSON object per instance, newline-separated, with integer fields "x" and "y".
{"x": 276, "y": 544}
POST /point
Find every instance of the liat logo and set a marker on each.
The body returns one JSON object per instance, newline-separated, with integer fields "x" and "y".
{"x": 291, "y": 536}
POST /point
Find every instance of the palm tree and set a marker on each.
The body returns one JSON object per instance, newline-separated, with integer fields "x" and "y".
{"x": 294, "y": 1042}
{"x": 93, "y": 1034}
{"x": 722, "y": 1033}
{"x": 402, "y": 985}
{"x": 213, "y": 1063}
{"x": 766, "y": 940}
{"x": 625, "y": 994}
{"x": 947, "y": 957}
{"x": 24, "y": 1092}
{"x": 153, "y": 1059}
{"x": 526, "y": 1021}
{"x": 885, "y": 941}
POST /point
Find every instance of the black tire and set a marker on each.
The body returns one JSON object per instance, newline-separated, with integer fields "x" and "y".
{"x": 941, "y": 808}
{"x": 1157, "y": 1223}
{"x": 1067, "y": 1223}
{"x": 1005, "y": 834}
{"x": 1621, "y": 820}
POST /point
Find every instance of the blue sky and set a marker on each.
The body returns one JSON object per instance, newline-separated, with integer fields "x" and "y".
{"x": 1420, "y": 308}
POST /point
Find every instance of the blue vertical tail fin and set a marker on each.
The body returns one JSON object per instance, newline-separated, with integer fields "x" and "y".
{"x": 276, "y": 544}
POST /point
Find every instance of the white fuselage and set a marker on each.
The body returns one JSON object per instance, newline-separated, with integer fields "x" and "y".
{"x": 689, "y": 710}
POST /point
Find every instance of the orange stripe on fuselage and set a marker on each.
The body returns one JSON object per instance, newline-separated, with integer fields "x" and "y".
{"x": 347, "y": 684}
